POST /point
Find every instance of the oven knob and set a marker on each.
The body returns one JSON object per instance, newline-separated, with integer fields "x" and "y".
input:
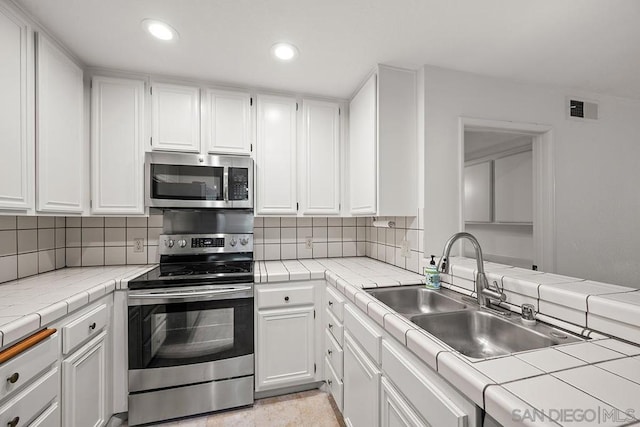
{"x": 244, "y": 241}
{"x": 233, "y": 242}
{"x": 169, "y": 242}
{"x": 182, "y": 243}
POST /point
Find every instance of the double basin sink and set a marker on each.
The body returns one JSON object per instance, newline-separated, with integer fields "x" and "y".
{"x": 463, "y": 325}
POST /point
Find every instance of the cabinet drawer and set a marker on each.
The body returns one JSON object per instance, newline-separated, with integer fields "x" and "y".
{"x": 25, "y": 406}
{"x": 425, "y": 390}
{"x": 49, "y": 418}
{"x": 365, "y": 332}
{"x": 335, "y": 327}
{"x": 83, "y": 328}
{"x": 284, "y": 296}
{"x": 335, "y": 303}
{"x": 24, "y": 367}
{"x": 334, "y": 383}
{"x": 333, "y": 353}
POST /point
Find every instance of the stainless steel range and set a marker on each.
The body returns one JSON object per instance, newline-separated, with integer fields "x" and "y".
{"x": 191, "y": 319}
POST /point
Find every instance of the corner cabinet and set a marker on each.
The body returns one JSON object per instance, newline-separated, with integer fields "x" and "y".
{"x": 16, "y": 112}
{"x": 61, "y": 152}
{"x": 226, "y": 122}
{"x": 383, "y": 145}
{"x": 286, "y": 335}
{"x": 276, "y": 172}
{"x": 320, "y": 158}
{"x": 175, "y": 117}
{"x": 117, "y": 148}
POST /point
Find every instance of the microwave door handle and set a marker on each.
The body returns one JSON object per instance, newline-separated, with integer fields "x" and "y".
{"x": 226, "y": 184}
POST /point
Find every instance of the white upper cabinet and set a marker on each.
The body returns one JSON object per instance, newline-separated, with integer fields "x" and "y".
{"x": 117, "y": 132}
{"x": 175, "y": 111}
{"x": 320, "y": 158}
{"x": 383, "y": 145}
{"x": 514, "y": 188}
{"x": 276, "y": 156}
{"x": 60, "y": 150}
{"x": 16, "y": 112}
{"x": 226, "y": 122}
{"x": 362, "y": 149}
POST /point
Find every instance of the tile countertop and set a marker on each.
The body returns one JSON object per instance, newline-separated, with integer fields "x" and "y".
{"x": 28, "y": 304}
{"x": 594, "y": 382}
{"x": 574, "y": 384}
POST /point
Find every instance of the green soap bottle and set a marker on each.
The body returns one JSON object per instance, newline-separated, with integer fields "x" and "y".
{"x": 432, "y": 275}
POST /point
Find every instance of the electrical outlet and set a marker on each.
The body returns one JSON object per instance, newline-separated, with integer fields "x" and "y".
{"x": 404, "y": 248}
{"x": 309, "y": 243}
{"x": 138, "y": 245}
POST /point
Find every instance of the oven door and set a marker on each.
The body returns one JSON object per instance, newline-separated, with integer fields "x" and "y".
{"x": 189, "y": 334}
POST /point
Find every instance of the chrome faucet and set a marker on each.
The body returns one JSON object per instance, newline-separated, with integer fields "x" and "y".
{"x": 484, "y": 291}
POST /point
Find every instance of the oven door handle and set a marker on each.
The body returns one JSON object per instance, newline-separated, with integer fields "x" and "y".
{"x": 178, "y": 296}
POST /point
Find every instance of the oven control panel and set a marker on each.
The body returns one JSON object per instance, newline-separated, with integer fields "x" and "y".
{"x": 186, "y": 244}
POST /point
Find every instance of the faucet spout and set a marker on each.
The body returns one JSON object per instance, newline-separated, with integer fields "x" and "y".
{"x": 484, "y": 292}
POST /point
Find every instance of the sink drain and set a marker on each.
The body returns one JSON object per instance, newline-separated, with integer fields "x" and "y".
{"x": 559, "y": 335}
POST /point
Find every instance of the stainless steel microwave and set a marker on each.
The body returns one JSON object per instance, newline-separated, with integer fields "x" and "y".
{"x": 178, "y": 180}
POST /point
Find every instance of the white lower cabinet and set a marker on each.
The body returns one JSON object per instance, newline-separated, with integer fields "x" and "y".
{"x": 395, "y": 411}
{"x": 25, "y": 406}
{"x": 384, "y": 384}
{"x": 285, "y": 335}
{"x": 361, "y": 386}
{"x": 84, "y": 385}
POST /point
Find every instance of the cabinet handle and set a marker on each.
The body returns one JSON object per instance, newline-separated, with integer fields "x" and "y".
{"x": 286, "y": 298}
{"x": 329, "y": 382}
{"x": 14, "y": 422}
{"x": 330, "y": 326}
{"x": 330, "y": 303}
{"x": 13, "y": 378}
{"x": 92, "y": 326}
{"x": 329, "y": 352}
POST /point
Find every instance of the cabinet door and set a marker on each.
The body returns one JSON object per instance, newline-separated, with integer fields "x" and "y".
{"x": 175, "y": 119}
{"x": 395, "y": 411}
{"x": 285, "y": 351}
{"x": 477, "y": 192}
{"x": 320, "y": 158}
{"x": 60, "y": 150}
{"x": 361, "y": 386}
{"x": 514, "y": 188}
{"x": 84, "y": 385}
{"x": 117, "y": 132}
{"x": 16, "y": 112}
{"x": 227, "y": 122}
{"x": 276, "y": 156}
{"x": 363, "y": 136}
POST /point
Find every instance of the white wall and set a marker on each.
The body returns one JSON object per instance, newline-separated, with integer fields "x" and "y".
{"x": 597, "y": 172}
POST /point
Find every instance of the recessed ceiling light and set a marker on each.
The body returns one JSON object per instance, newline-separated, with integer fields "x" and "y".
{"x": 159, "y": 29}
{"x": 284, "y": 51}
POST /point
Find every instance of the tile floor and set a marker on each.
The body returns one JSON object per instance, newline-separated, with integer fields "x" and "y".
{"x": 310, "y": 409}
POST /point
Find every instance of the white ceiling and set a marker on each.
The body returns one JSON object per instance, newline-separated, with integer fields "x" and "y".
{"x": 588, "y": 44}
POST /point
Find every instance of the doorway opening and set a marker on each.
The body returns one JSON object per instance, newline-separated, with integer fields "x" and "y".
{"x": 507, "y": 193}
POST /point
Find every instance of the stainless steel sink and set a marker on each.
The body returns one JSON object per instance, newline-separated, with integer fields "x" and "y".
{"x": 479, "y": 334}
{"x": 410, "y": 300}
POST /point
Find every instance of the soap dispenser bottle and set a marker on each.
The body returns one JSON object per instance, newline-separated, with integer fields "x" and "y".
{"x": 432, "y": 275}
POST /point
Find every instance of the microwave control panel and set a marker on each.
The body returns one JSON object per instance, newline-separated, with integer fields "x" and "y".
{"x": 238, "y": 184}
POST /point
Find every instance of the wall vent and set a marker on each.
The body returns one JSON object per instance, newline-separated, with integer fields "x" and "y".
{"x": 582, "y": 109}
